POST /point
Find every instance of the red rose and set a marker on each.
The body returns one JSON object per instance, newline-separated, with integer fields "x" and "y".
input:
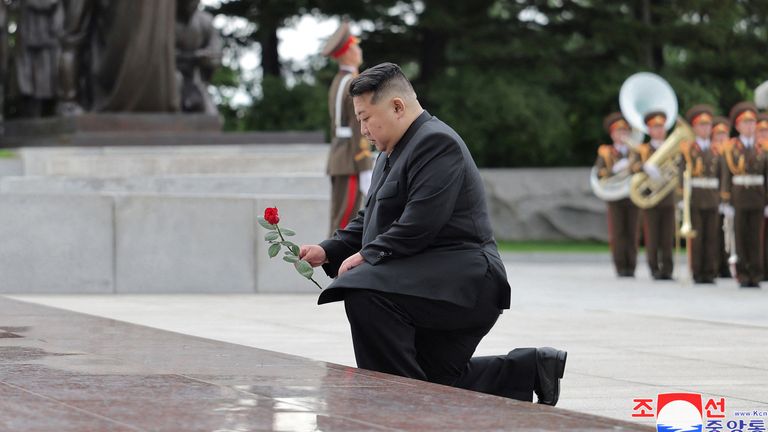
{"x": 270, "y": 215}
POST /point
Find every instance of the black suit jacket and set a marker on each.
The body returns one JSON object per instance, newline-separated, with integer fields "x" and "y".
{"x": 425, "y": 229}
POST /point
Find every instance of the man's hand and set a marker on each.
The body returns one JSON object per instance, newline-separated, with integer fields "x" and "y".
{"x": 727, "y": 210}
{"x": 652, "y": 171}
{"x": 351, "y": 262}
{"x": 313, "y": 254}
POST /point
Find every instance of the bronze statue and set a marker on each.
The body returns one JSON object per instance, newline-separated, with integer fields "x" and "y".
{"x": 130, "y": 47}
{"x": 37, "y": 54}
{"x": 198, "y": 54}
{"x": 75, "y": 42}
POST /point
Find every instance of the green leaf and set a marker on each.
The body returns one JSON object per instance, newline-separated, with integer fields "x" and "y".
{"x": 304, "y": 268}
{"x": 291, "y": 259}
{"x": 264, "y": 223}
{"x": 270, "y": 236}
{"x": 286, "y": 232}
{"x": 295, "y": 250}
{"x": 288, "y": 244}
{"x": 273, "y": 250}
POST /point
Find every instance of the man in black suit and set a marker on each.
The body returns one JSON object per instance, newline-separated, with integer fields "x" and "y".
{"x": 418, "y": 269}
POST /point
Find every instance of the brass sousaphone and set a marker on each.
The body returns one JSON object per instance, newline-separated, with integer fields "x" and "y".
{"x": 640, "y": 94}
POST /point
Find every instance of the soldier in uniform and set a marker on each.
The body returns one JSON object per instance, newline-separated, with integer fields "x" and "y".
{"x": 703, "y": 161}
{"x": 744, "y": 188}
{"x": 350, "y": 160}
{"x": 761, "y": 135}
{"x": 659, "y": 221}
{"x": 614, "y": 160}
{"x": 721, "y": 133}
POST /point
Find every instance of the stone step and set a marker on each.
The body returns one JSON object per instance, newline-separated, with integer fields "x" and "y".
{"x": 214, "y": 184}
{"x": 175, "y": 160}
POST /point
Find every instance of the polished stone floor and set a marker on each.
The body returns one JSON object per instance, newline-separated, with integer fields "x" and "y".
{"x": 65, "y": 371}
{"x": 626, "y": 338}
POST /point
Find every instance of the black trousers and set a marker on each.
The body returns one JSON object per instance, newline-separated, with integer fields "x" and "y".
{"x": 434, "y": 341}
{"x": 660, "y": 239}
{"x": 705, "y": 247}
{"x": 748, "y": 226}
{"x": 622, "y": 235}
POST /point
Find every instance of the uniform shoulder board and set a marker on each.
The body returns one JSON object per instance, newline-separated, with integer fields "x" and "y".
{"x": 605, "y": 150}
{"x": 685, "y": 146}
{"x": 645, "y": 150}
{"x": 730, "y": 144}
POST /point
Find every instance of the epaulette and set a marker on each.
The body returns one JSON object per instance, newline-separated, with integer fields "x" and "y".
{"x": 764, "y": 145}
{"x": 685, "y": 146}
{"x": 730, "y": 144}
{"x": 605, "y": 151}
{"x": 645, "y": 151}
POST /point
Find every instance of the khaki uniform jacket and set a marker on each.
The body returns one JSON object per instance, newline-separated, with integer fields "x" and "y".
{"x": 348, "y": 155}
{"x": 705, "y": 167}
{"x": 742, "y": 161}
{"x": 607, "y": 156}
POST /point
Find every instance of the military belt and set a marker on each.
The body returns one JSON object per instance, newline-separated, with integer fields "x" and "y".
{"x": 705, "y": 182}
{"x": 748, "y": 180}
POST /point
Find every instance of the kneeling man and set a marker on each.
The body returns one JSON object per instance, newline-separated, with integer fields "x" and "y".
{"x": 418, "y": 268}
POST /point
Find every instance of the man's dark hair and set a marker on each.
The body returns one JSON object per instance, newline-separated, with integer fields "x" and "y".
{"x": 381, "y": 79}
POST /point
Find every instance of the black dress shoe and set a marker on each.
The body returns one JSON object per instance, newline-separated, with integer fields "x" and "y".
{"x": 704, "y": 281}
{"x": 550, "y": 367}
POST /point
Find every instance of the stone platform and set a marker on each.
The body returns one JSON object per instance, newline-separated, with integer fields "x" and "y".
{"x": 137, "y": 129}
{"x": 63, "y": 371}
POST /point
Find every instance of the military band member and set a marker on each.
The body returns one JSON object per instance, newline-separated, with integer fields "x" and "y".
{"x": 614, "y": 160}
{"x": 744, "y": 188}
{"x": 703, "y": 161}
{"x": 761, "y": 134}
{"x": 721, "y": 134}
{"x": 350, "y": 159}
{"x": 659, "y": 221}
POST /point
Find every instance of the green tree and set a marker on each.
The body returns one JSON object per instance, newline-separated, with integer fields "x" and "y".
{"x": 527, "y": 82}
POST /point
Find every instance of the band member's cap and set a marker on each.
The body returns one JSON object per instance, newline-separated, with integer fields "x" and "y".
{"x": 699, "y": 114}
{"x": 743, "y": 111}
{"x": 720, "y": 124}
{"x": 614, "y": 121}
{"x": 762, "y": 121}
{"x": 339, "y": 42}
{"x": 655, "y": 118}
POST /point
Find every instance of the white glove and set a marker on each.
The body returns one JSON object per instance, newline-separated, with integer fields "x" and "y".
{"x": 652, "y": 171}
{"x": 727, "y": 210}
{"x": 765, "y": 212}
{"x": 365, "y": 181}
{"x": 621, "y": 165}
{"x": 681, "y": 205}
